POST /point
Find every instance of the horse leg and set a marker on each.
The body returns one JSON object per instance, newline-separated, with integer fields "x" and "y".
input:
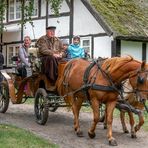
{"x": 105, "y": 118}
{"x": 76, "y": 106}
{"x": 110, "y": 108}
{"x": 132, "y": 122}
{"x": 122, "y": 118}
{"x": 95, "y": 108}
{"x": 141, "y": 122}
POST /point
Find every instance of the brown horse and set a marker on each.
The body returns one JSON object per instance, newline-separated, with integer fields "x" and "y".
{"x": 109, "y": 75}
{"x": 135, "y": 101}
{"x": 136, "y": 105}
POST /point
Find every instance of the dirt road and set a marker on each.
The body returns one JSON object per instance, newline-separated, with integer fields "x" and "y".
{"x": 59, "y": 129}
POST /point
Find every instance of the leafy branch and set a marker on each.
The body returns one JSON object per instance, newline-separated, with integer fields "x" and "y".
{"x": 27, "y": 12}
{"x": 55, "y": 6}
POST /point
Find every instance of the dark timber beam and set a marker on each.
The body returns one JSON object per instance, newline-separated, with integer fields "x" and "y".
{"x": 116, "y": 48}
{"x": 47, "y": 13}
{"x": 22, "y": 25}
{"x": 71, "y": 20}
{"x": 144, "y": 52}
{"x": 39, "y": 8}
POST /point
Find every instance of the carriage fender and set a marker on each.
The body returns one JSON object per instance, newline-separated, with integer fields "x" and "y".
{"x": 10, "y": 86}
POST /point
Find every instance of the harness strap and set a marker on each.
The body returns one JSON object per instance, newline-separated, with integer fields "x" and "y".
{"x": 102, "y": 87}
{"x": 87, "y": 71}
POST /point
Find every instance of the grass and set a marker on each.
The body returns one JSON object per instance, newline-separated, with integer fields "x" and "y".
{"x": 13, "y": 137}
{"x": 30, "y": 101}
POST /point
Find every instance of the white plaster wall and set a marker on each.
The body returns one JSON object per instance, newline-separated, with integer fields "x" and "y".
{"x": 11, "y": 36}
{"x": 102, "y": 47}
{"x": 64, "y": 7}
{"x": 84, "y": 22}
{"x": 62, "y": 24}
{"x": 131, "y": 48}
{"x": 39, "y": 29}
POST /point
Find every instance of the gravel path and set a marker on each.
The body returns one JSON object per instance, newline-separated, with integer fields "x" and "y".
{"x": 59, "y": 129}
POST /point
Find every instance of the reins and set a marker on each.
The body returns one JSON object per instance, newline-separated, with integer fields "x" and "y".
{"x": 87, "y": 84}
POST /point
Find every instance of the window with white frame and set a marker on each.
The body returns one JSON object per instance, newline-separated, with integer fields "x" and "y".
{"x": 14, "y": 10}
{"x": 86, "y": 44}
{"x": 12, "y": 51}
{"x": 35, "y": 7}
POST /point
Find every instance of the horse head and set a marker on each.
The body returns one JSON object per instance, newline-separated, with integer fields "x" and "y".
{"x": 139, "y": 83}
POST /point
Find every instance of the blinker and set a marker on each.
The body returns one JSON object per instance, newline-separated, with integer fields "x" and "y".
{"x": 140, "y": 80}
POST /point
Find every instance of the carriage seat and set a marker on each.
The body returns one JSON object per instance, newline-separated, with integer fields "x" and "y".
{"x": 19, "y": 69}
{"x": 34, "y": 59}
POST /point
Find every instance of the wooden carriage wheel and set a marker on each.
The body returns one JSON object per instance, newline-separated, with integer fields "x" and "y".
{"x": 4, "y": 97}
{"x": 41, "y": 106}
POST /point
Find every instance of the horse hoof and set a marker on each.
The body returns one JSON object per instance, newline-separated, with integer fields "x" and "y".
{"x": 133, "y": 136}
{"x": 80, "y": 134}
{"x": 91, "y": 135}
{"x": 126, "y": 131}
{"x": 136, "y": 128}
{"x": 113, "y": 142}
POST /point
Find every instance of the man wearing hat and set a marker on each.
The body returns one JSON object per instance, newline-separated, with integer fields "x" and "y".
{"x": 50, "y": 52}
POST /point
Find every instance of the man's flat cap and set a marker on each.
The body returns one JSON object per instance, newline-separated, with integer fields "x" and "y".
{"x": 51, "y": 28}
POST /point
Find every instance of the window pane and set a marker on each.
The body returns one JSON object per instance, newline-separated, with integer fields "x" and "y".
{"x": 86, "y": 43}
{"x": 18, "y": 9}
{"x": 86, "y": 49}
{"x": 35, "y": 11}
{"x": 18, "y": 15}
{"x": 11, "y": 16}
{"x": 11, "y": 1}
{"x": 35, "y": 7}
{"x": 16, "y": 50}
{"x": 11, "y": 9}
{"x": 10, "y": 54}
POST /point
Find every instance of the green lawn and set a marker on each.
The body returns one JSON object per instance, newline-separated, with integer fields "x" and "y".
{"x": 13, "y": 137}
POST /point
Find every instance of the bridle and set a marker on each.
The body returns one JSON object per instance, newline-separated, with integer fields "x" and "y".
{"x": 140, "y": 81}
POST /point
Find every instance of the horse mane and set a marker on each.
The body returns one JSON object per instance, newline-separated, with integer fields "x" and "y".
{"x": 112, "y": 64}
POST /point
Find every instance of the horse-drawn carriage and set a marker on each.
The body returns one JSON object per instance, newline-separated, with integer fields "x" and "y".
{"x": 78, "y": 80}
{"x": 18, "y": 89}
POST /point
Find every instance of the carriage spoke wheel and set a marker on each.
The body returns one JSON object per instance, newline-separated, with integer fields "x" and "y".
{"x": 102, "y": 112}
{"x": 41, "y": 106}
{"x": 4, "y": 97}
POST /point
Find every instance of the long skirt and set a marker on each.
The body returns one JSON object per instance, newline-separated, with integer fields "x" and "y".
{"x": 50, "y": 67}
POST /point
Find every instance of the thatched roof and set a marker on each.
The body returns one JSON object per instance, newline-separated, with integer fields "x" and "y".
{"x": 126, "y": 19}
